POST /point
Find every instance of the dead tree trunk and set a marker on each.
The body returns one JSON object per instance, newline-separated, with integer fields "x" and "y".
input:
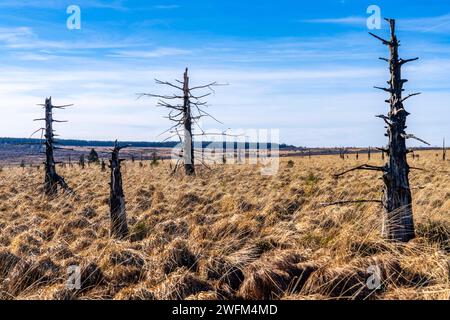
{"x": 397, "y": 223}
{"x": 444, "y": 150}
{"x": 119, "y": 227}
{"x": 188, "y": 146}
{"x": 186, "y": 115}
{"x": 52, "y": 179}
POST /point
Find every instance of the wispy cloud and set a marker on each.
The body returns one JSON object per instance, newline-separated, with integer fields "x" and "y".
{"x": 156, "y": 53}
{"x": 59, "y": 4}
{"x": 352, "y": 20}
{"x": 166, "y": 6}
{"x": 437, "y": 24}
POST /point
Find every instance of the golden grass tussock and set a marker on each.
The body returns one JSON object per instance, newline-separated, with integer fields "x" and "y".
{"x": 228, "y": 233}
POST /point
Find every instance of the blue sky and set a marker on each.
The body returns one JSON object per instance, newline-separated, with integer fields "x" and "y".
{"x": 305, "y": 67}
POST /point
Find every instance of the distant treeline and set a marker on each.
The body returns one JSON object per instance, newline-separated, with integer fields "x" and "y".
{"x": 139, "y": 144}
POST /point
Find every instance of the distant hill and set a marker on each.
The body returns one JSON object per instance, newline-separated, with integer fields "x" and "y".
{"x": 136, "y": 144}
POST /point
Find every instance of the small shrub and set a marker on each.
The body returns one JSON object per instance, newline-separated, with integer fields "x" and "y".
{"x": 290, "y": 164}
{"x": 139, "y": 231}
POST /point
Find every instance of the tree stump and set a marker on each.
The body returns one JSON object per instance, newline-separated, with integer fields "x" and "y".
{"x": 119, "y": 226}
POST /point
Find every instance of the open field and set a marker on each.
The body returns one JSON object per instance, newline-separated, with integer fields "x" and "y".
{"x": 227, "y": 233}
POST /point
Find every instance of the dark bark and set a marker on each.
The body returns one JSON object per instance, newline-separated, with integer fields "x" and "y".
{"x": 119, "y": 227}
{"x": 188, "y": 146}
{"x": 398, "y": 221}
{"x": 444, "y": 151}
{"x": 52, "y": 179}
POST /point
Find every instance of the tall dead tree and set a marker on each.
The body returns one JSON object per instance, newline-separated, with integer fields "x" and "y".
{"x": 397, "y": 221}
{"x": 52, "y": 179}
{"x": 185, "y": 114}
{"x": 119, "y": 226}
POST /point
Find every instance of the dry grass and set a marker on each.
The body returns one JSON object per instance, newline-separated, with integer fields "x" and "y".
{"x": 227, "y": 233}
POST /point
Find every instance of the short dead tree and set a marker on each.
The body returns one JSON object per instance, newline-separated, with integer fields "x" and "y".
{"x": 52, "y": 179}
{"x": 444, "y": 150}
{"x": 397, "y": 221}
{"x": 185, "y": 114}
{"x": 82, "y": 162}
{"x": 119, "y": 226}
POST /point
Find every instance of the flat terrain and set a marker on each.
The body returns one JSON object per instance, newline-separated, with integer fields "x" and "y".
{"x": 227, "y": 233}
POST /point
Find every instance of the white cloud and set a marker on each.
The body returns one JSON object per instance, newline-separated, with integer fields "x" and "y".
{"x": 167, "y": 6}
{"x": 59, "y": 4}
{"x": 436, "y": 24}
{"x": 333, "y": 105}
{"x": 156, "y": 53}
{"x": 352, "y": 20}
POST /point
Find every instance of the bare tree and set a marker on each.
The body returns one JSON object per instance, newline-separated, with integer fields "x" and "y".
{"x": 185, "y": 115}
{"x": 119, "y": 226}
{"x": 398, "y": 221}
{"x": 52, "y": 179}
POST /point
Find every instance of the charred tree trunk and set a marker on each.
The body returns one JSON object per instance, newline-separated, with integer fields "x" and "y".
{"x": 188, "y": 146}
{"x": 398, "y": 221}
{"x": 52, "y": 179}
{"x": 119, "y": 227}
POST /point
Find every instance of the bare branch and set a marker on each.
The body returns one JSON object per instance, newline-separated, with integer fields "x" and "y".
{"x": 384, "y": 89}
{"x": 385, "y": 118}
{"x": 411, "y": 95}
{"x": 63, "y": 106}
{"x": 199, "y": 97}
{"x": 388, "y": 43}
{"x": 140, "y": 95}
{"x": 403, "y": 61}
{"x": 361, "y": 167}
{"x": 168, "y": 84}
{"x": 420, "y": 169}
{"x": 328, "y": 204}
{"x": 40, "y": 129}
{"x": 411, "y": 136}
{"x": 209, "y": 85}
